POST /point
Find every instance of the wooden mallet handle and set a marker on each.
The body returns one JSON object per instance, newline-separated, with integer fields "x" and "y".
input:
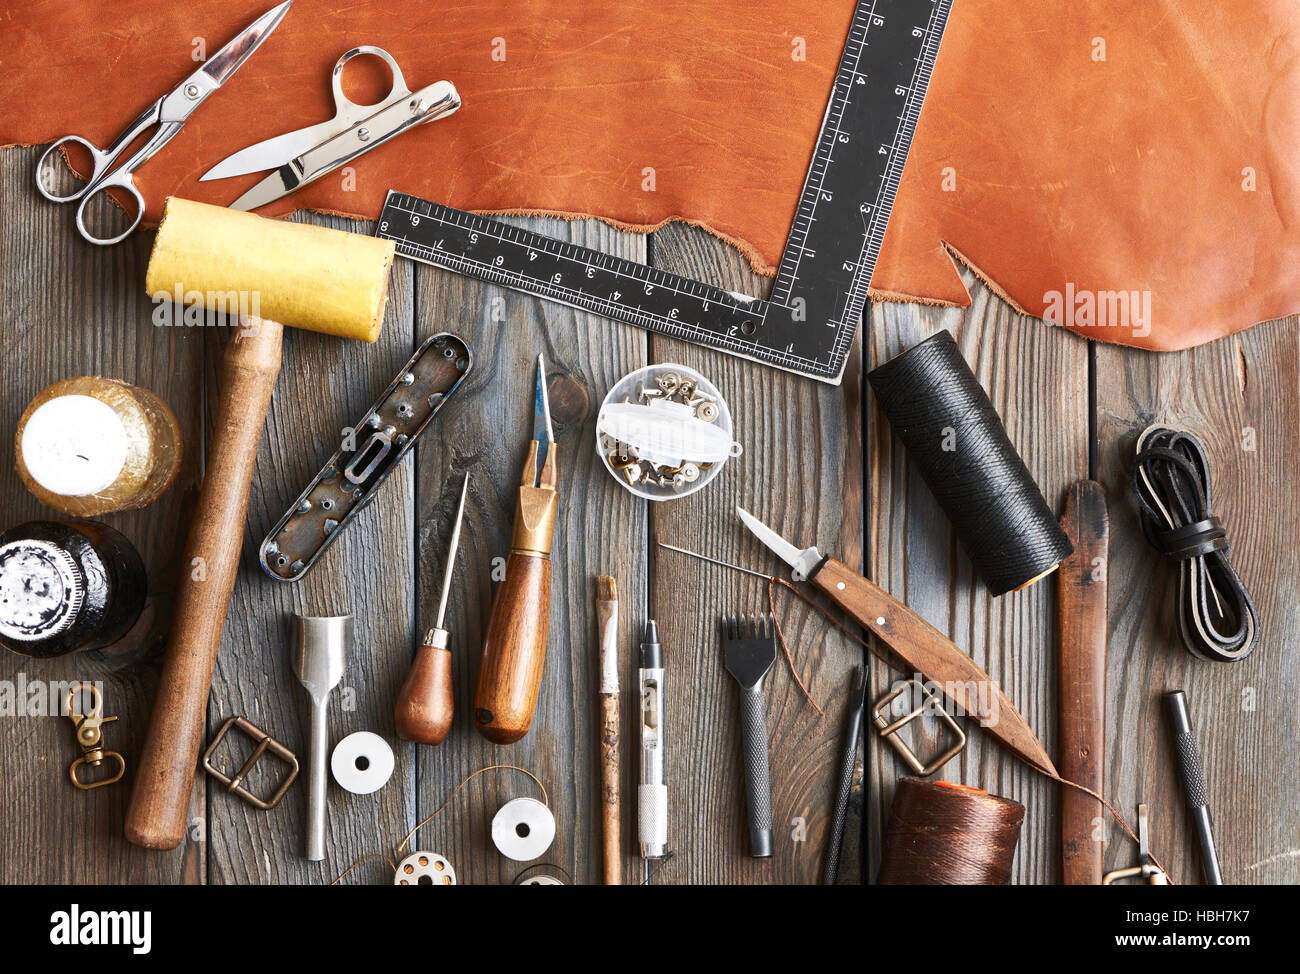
{"x": 165, "y": 769}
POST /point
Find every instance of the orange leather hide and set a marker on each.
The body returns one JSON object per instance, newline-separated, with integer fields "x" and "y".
{"x": 1129, "y": 159}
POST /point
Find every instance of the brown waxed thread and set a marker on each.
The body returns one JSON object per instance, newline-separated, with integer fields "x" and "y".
{"x": 938, "y": 835}
{"x": 958, "y": 443}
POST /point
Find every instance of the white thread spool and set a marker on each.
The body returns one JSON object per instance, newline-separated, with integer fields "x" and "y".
{"x": 523, "y": 829}
{"x": 88, "y": 446}
{"x": 362, "y": 763}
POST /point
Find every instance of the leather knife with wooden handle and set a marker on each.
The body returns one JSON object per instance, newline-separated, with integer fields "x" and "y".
{"x": 912, "y": 639}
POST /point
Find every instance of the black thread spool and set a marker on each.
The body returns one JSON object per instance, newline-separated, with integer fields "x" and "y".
{"x": 958, "y": 443}
{"x": 944, "y": 834}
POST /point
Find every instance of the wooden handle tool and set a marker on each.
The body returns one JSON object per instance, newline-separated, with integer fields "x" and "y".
{"x": 425, "y": 704}
{"x": 607, "y": 626}
{"x": 913, "y": 640}
{"x": 1081, "y": 589}
{"x": 514, "y": 647}
{"x": 273, "y": 273}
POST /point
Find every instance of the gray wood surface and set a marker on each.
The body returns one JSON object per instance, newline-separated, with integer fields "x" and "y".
{"x": 811, "y": 451}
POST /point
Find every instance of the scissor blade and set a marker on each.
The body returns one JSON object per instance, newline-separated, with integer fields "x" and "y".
{"x": 268, "y": 190}
{"x": 802, "y": 561}
{"x": 542, "y": 431}
{"x": 274, "y": 152}
{"x": 231, "y": 58}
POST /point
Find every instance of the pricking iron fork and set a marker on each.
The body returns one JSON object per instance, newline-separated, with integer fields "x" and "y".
{"x": 748, "y": 652}
{"x": 370, "y": 452}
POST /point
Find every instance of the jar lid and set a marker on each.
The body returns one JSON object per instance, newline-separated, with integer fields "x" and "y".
{"x": 74, "y": 446}
{"x": 41, "y": 590}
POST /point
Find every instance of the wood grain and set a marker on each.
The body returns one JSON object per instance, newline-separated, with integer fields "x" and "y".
{"x": 1081, "y": 583}
{"x": 801, "y": 473}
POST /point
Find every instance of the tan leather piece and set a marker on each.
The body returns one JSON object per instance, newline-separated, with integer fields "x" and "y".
{"x": 1117, "y": 175}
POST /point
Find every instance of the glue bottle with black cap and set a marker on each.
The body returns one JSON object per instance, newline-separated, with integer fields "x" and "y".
{"x": 67, "y": 587}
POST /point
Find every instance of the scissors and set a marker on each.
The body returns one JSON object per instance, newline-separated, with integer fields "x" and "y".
{"x": 303, "y": 156}
{"x": 169, "y": 113}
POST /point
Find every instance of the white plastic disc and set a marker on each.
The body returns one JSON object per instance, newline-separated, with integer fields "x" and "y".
{"x": 74, "y": 446}
{"x": 362, "y": 762}
{"x": 523, "y": 829}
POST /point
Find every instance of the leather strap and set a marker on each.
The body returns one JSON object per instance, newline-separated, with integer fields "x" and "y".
{"x": 1216, "y": 616}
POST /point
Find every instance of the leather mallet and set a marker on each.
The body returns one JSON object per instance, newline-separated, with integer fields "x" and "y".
{"x": 275, "y": 274}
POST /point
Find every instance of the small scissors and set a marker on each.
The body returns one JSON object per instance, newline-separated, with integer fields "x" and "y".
{"x": 169, "y": 113}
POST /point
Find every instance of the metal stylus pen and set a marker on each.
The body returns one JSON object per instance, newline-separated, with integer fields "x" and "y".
{"x": 652, "y": 793}
{"x": 1193, "y": 777}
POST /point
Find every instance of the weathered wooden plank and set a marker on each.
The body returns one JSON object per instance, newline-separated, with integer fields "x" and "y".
{"x": 601, "y": 530}
{"x": 69, "y": 308}
{"x": 1239, "y": 397}
{"x": 801, "y": 472}
{"x": 1037, "y": 378}
{"x": 325, "y": 385}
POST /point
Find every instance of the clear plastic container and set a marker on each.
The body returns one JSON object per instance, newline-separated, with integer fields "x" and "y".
{"x": 664, "y": 431}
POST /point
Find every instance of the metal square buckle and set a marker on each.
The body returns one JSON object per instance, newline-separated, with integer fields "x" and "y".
{"x": 889, "y": 731}
{"x": 264, "y": 743}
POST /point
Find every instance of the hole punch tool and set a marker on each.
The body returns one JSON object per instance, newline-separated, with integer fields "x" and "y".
{"x": 1146, "y": 868}
{"x": 88, "y": 720}
{"x": 304, "y": 156}
{"x": 169, "y": 113}
{"x": 748, "y": 651}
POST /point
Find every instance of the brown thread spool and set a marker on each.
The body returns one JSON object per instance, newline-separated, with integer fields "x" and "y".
{"x": 89, "y": 446}
{"x": 945, "y": 834}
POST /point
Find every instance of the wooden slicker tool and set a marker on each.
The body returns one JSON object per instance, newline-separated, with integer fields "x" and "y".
{"x": 514, "y": 647}
{"x": 1082, "y": 627}
{"x": 272, "y": 273}
{"x": 607, "y": 628}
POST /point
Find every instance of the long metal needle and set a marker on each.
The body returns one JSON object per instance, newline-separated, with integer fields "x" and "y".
{"x": 723, "y": 564}
{"x": 451, "y": 558}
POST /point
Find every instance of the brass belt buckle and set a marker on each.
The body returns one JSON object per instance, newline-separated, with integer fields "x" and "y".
{"x": 1146, "y": 868}
{"x": 889, "y": 731}
{"x": 88, "y": 720}
{"x": 264, "y": 743}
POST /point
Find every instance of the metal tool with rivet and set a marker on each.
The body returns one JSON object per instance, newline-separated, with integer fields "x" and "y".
{"x": 306, "y": 155}
{"x": 89, "y": 719}
{"x": 1146, "y": 868}
{"x": 425, "y": 704}
{"x": 912, "y": 639}
{"x": 370, "y": 452}
{"x": 749, "y": 650}
{"x": 320, "y": 650}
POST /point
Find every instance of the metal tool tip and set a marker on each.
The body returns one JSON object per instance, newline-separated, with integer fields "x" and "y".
{"x": 651, "y": 632}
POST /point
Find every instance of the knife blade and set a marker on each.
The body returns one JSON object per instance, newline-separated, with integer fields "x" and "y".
{"x": 958, "y": 677}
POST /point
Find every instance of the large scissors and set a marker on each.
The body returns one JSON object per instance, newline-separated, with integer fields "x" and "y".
{"x": 169, "y": 113}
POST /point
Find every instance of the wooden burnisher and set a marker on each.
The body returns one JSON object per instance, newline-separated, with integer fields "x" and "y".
{"x": 289, "y": 274}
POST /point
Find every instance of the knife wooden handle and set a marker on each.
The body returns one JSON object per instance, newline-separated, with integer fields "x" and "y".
{"x": 1082, "y": 628}
{"x": 933, "y": 654}
{"x": 514, "y": 650}
{"x": 165, "y": 769}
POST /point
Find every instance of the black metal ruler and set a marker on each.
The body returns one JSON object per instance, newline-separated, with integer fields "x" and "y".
{"x": 808, "y": 323}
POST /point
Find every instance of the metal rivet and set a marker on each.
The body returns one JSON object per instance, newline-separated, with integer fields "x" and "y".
{"x": 191, "y": 91}
{"x": 363, "y": 134}
{"x": 880, "y": 620}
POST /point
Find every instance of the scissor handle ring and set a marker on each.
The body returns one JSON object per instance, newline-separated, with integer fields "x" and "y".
{"x": 99, "y": 162}
{"x": 122, "y": 180}
{"x": 399, "y": 89}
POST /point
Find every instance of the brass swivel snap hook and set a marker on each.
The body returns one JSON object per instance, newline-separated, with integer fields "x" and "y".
{"x": 89, "y": 736}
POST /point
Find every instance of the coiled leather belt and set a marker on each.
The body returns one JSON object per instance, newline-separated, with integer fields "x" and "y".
{"x": 1216, "y": 617}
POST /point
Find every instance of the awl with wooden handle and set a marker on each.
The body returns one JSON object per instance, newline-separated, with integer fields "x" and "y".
{"x": 514, "y": 648}
{"x": 912, "y": 639}
{"x": 1081, "y": 588}
{"x": 425, "y": 704}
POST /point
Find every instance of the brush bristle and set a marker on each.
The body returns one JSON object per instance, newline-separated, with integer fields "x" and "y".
{"x": 606, "y": 590}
